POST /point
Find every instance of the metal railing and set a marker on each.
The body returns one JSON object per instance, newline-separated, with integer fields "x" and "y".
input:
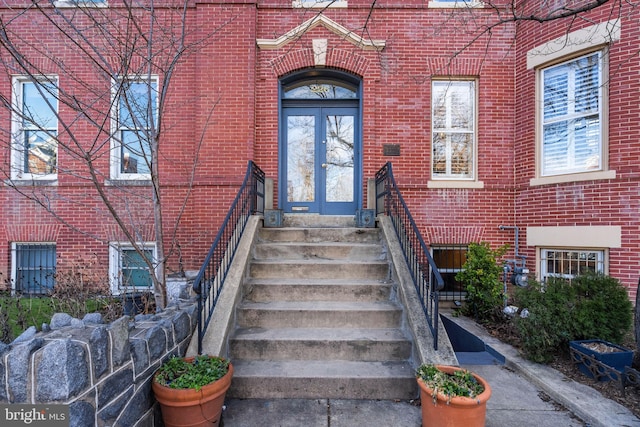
{"x": 425, "y": 274}
{"x": 210, "y": 279}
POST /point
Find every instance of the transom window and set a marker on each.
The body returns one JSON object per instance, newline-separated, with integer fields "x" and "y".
{"x": 453, "y": 128}
{"x": 136, "y": 112}
{"x": 571, "y": 116}
{"x": 128, "y": 270}
{"x": 35, "y": 128}
{"x": 568, "y": 263}
{"x": 33, "y": 267}
{"x": 320, "y": 89}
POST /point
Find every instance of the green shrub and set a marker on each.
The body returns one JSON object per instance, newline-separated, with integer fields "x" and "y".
{"x": 481, "y": 276}
{"x": 603, "y": 308}
{"x": 548, "y": 326}
{"x": 591, "y": 306}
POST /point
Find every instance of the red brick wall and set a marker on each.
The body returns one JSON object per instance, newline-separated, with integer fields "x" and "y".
{"x": 223, "y": 105}
{"x": 591, "y": 203}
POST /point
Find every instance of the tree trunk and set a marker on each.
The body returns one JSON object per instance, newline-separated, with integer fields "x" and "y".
{"x": 637, "y": 319}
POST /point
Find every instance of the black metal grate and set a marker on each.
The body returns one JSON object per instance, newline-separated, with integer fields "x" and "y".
{"x": 35, "y": 268}
{"x": 450, "y": 259}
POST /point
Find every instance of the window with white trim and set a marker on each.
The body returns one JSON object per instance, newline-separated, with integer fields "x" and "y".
{"x": 571, "y": 116}
{"x": 309, "y": 4}
{"x": 455, "y": 3}
{"x": 134, "y": 122}
{"x": 128, "y": 270}
{"x": 34, "y": 148}
{"x": 453, "y": 127}
{"x": 33, "y": 267}
{"x": 80, "y": 3}
{"x": 568, "y": 263}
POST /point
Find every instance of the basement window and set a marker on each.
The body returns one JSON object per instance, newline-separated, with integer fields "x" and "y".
{"x": 449, "y": 259}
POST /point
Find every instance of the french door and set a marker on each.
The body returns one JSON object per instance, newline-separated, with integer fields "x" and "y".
{"x": 319, "y": 154}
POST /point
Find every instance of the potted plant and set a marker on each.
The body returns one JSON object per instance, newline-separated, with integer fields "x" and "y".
{"x": 191, "y": 390}
{"x": 452, "y": 396}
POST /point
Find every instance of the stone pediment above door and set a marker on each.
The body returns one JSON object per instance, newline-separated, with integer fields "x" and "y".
{"x": 297, "y": 32}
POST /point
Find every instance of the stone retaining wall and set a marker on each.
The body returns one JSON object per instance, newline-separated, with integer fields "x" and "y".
{"x": 102, "y": 371}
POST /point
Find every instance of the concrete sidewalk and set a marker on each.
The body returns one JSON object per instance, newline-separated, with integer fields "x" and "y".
{"x": 514, "y": 402}
{"x": 523, "y": 394}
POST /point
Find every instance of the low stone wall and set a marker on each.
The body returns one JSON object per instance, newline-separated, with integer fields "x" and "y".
{"x": 101, "y": 371}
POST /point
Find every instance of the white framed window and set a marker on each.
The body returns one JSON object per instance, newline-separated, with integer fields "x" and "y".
{"x": 33, "y": 267}
{"x": 134, "y": 120}
{"x": 309, "y": 4}
{"x": 128, "y": 271}
{"x": 568, "y": 263}
{"x": 34, "y": 147}
{"x": 453, "y": 129}
{"x": 571, "y": 116}
{"x": 80, "y": 3}
{"x": 446, "y": 4}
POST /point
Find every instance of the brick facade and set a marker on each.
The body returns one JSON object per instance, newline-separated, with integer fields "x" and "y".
{"x": 223, "y": 103}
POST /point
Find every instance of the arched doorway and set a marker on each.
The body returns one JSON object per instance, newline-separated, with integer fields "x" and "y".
{"x": 320, "y": 143}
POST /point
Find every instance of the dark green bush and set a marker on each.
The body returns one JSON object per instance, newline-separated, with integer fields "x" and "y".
{"x": 591, "y": 306}
{"x": 548, "y": 326}
{"x": 481, "y": 276}
{"x": 603, "y": 308}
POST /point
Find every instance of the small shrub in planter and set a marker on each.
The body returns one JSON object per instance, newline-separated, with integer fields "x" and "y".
{"x": 191, "y": 390}
{"x": 451, "y": 395}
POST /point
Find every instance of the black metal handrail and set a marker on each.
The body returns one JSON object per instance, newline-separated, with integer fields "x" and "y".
{"x": 210, "y": 279}
{"x": 425, "y": 274}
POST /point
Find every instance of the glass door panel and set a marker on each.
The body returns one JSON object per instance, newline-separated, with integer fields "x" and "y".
{"x": 339, "y": 170}
{"x": 301, "y": 158}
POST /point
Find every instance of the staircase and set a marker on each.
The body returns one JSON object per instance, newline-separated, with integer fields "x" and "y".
{"x": 319, "y": 318}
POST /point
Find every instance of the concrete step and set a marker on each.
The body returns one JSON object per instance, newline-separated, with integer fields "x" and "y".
{"x": 319, "y": 319}
{"x": 320, "y": 234}
{"x": 319, "y": 251}
{"x": 329, "y": 379}
{"x": 319, "y": 269}
{"x": 330, "y": 343}
{"x": 310, "y": 220}
{"x": 318, "y": 314}
{"x": 277, "y": 289}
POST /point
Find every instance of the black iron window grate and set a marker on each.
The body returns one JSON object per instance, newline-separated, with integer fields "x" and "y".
{"x": 35, "y": 268}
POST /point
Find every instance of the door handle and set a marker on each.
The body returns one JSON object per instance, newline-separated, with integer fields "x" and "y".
{"x": 324, "y": 166}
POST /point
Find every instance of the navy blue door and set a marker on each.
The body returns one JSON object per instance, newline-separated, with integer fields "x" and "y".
{"x": 320, "y": 166}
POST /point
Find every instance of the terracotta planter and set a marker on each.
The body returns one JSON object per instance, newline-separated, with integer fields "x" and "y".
{"x": 455, "y": 411}
{"x": 188, "y": 407}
